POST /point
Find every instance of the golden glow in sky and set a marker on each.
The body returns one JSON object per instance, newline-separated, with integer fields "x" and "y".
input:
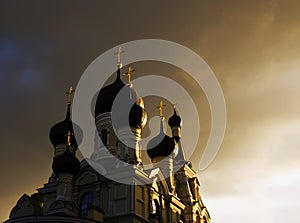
{"x": 252, "y": 46}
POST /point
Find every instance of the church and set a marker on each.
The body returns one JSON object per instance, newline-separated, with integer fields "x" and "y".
{"x": 112, "y": 185}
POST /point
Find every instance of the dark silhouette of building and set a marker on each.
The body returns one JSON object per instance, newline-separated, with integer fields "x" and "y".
{"x": 76, "y": 192}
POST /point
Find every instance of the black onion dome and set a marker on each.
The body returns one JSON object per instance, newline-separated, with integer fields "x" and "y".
{"x": 174, "y": 120}
{"x": 59, "y": 132}
{"x": 137, "y": 115}
{"x": 66, "y": 163}
{"x": 107, "y": 96}
{"x": 161, "y": 145}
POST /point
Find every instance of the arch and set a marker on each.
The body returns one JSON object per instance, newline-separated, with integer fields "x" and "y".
{"x": 86, "y": 201}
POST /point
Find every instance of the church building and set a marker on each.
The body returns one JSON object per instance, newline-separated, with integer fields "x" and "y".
{"x": 86, "y": 192}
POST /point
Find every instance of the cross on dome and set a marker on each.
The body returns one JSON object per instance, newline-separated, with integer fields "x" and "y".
{"x": 119, "y": 64}
{"x": 70, "y": 92}
{"x": 160, "y": 108}
{"x": 129, "y": 73}
{"x": 69, "y": 138}
{"x": 174, "y": 106}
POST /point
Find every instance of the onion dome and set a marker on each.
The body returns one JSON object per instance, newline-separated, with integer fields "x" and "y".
{"x": 59, "y": 132}
{"x": 160, "y": 145}
{"x": 175, "y": 120}
{"x": 107, "y": 96}
{"x": 137, "y": 115}
{"x": 66, "y": 163}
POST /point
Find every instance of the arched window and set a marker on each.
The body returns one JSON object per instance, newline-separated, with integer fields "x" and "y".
{"x": 86, "y": 201}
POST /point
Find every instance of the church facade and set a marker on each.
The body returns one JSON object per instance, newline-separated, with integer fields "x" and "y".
{"x": 168, "y": 192}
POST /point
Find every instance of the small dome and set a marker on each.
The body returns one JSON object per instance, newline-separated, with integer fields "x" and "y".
{"x": 161, "y": 145}
{"x": 175, "y": 120}
{"x": 66, "y": 163}
{"x": 138, "y": 115}
{"x": 59, "y": 132}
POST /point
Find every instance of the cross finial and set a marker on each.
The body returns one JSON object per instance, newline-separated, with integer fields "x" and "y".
{"x": 119, "y": 64}
{"x": 129, "y": 73}
{"x": 70, "y": 92}
{"x": 69, "y": 138}
{"x": 174, "y": 106}
{"x": 160, "y": 108}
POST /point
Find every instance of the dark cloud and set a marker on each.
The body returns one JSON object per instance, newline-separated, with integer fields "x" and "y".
{"x": 252, "y": 46}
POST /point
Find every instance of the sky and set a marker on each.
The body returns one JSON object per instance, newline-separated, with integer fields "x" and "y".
{"x": 252, "y": 47}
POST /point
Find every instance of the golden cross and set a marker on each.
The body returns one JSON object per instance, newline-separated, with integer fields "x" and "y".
{"x": 69, "y": 138}
{"x": 160, "y": 108}
{"x": 119, "y": 64}
{"x": 129, "y": 73}
{"x": 70, "y": 92}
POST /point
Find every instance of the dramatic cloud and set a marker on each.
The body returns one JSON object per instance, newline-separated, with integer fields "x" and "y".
{"x": 252, "y": 46}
